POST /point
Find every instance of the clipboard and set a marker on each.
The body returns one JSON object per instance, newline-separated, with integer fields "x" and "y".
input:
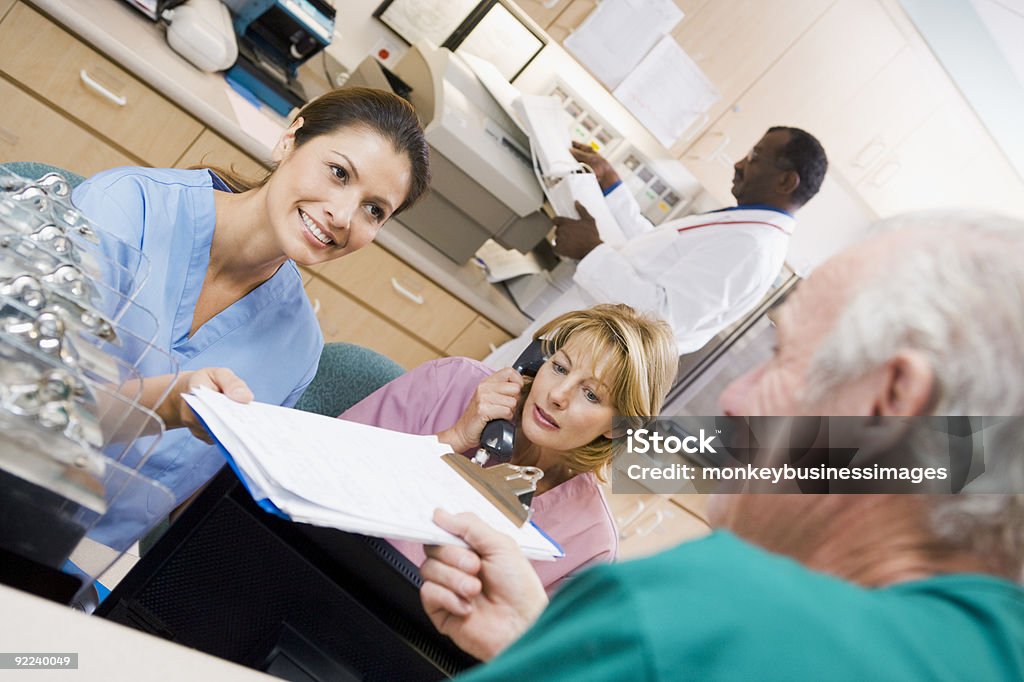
{"x": 508, "y": 487}
{"x": 359, "y": 478}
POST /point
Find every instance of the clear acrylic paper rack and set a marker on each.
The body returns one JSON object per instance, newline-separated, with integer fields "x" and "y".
{"x": 73, "y": 432}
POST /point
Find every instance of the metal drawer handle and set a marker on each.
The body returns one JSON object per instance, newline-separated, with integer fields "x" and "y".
{"x": 642, "y": 530}
{"x": 886, "y": 173}
{"x": 8, "y": 136}
{"x": 631, "y": 516}
{"x": 870, "y": 153}
{"x": 94, "y": 85}
{"x": 415, "y": 298}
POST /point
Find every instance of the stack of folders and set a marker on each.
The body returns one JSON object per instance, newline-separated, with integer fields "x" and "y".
{"x": 357, "y": 478}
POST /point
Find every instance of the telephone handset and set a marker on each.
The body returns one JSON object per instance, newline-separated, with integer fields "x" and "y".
{"x": 498, "y": 437}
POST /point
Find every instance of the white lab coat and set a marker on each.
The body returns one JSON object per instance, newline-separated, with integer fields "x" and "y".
{"x": 700, "y": 280}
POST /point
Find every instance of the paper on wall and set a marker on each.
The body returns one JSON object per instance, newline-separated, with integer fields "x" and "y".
{"x": 667, "y": 91}
{"x": 615, "y": 37}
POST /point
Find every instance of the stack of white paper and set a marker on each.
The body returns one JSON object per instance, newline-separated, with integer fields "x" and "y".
{"x": 358, "y": 478}
{"x": 563, "y": 179}
{"x": 613, "y": 39}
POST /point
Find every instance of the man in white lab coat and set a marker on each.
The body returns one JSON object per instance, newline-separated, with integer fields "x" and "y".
{"x": 701, "y": 273}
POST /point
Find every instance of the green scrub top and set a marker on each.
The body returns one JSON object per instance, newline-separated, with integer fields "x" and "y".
{"x": 720, "y": 608}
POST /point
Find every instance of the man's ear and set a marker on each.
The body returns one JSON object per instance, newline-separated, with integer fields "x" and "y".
{"x": 286, "y": 143}
{"x": 906, "y": 385}
{"x": 788, "y": 182}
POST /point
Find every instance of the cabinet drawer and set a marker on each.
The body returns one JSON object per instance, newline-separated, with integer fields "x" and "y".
{"x": 213, "y": 150}
{"x": 694, "y": 503}
{"x": 61, "y": 69}
{"x": 399, "y": 293}
{"x": 342, "y": 319}
{"x": 32, "y": 131}
{"x": 661, "y": 524}
{"x": 704, "y": 32}
{"x": 477, "y": 340}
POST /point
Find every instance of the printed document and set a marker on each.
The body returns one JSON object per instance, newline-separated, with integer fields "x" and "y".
{"x": 613, "y": 39}
{"x": 358, "y": 478}
{"x": 667, "y": 92}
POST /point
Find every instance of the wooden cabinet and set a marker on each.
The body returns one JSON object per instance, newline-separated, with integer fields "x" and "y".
{"x": 990, "y": 182}
{"x": 827, "y": 65}
{"x": 694, "y": 503}
{"x": 897, "y": 131}
{"x": 73, "y": 77}
{"x": 210, "y": 149}
{"x": 478, "y": 339}
{"x": 727, "y": 39}
{"x": 691, "y": 7}
{"x": 649, "y": 523}
{"x": 5, "y": 5}
{"x": 400, "y": 294}
{"x": 569, "y": 18}
{"x": 343, "y": 319}
{"x": 544, "y": 13}
{"x": 372, "y": 298}
{"x": 894, "y": 103}
{"x": 32, "y": 131}
{"x": 949, "y": 160}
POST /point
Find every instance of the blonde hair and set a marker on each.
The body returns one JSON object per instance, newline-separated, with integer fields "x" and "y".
{"x": 638, "y": 359}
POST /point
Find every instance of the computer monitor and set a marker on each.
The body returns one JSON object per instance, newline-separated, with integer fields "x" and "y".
{"x": 293, "y": 600}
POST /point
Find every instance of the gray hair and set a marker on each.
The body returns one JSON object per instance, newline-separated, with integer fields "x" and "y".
{"x": 955, "y": 292}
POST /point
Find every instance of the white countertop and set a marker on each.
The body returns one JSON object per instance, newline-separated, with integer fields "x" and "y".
{"x": 106, "y": 651}
{"x": 139, "y": 46}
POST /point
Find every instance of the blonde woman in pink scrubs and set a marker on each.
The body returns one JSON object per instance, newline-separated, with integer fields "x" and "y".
{"x": 603, "y": 362}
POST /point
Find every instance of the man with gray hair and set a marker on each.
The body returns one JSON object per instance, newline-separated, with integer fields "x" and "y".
{"x": 924, "y": 318}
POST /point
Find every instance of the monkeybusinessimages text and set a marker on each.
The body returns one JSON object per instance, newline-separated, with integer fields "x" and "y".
{"x": 645, "y": 442}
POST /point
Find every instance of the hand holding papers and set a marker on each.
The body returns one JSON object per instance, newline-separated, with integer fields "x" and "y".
{"x": 563, "y": 179}
{"x": 583, "y": 187}
{"x": 330, "y": 472}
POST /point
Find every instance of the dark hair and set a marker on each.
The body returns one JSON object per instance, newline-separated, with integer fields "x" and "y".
{"x": 805, "y": 155}
{"x": 378, "y": 111}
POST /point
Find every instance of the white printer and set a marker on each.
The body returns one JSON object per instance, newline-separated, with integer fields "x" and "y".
{"x": 483, "y": 183}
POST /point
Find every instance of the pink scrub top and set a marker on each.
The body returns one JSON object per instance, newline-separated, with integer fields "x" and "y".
{"x": 430, "y": 399}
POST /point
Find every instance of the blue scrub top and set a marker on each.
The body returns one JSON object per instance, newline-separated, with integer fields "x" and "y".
{"x": 270, "y": 338}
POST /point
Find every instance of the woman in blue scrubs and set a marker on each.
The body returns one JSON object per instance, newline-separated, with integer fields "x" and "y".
{"x": 223, "y": 282}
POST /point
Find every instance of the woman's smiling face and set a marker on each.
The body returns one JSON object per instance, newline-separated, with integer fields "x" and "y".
{"x": 567, "y": 407}
{"x": 330, "y": 196}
